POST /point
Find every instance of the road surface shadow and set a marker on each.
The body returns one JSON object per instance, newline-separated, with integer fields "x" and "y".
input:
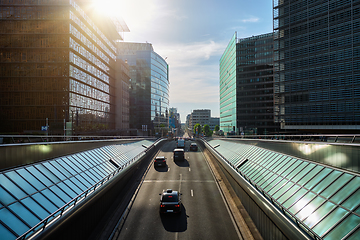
{"x": 175, "y": 222}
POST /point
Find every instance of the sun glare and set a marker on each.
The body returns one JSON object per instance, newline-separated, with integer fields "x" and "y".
{"x": 110, "y": 7}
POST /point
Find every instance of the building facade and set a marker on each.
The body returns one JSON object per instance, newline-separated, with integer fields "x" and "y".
{"x": 57, "y": 67}
{"x": 122, "y": 99}
{"x": 149, "y": 88}
{"x": 254, "y": 85}
{"x": 246, "y": 86}
{"x": 317, "y": 61}
{"x": 228, "y": 87}
{"x": 199, "y": 116}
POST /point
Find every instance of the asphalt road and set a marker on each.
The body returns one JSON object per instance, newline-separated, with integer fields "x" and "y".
{"x": 204, "y": 214}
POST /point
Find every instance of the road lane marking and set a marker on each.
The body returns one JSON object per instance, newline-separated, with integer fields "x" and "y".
{"x": 197, "y": 181}
{"x": 168, "y": 169}
{"x": 192, "y": 192}
{"x": 189, "y": 169}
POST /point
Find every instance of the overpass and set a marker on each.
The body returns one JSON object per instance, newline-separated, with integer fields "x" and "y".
{"x": 291, "y": 189}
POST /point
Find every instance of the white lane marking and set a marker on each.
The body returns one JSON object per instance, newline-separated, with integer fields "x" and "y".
{"x": 189, "y": 169}
{"x": 180, "y": 183}
{"x": 192, "y": 192}
{"x": 168, "y": 169}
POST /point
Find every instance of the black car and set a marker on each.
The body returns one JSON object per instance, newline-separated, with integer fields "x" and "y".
{"x": 170, "y": 201}
{"x": 193, "y": 147}
{"x": 160, "y": 161}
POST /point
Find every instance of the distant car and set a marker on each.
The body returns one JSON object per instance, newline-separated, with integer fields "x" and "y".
{"x": 179, "y": 154}
{"x": 160, "y": 161}
{"x": 181, "y": 143}
{"x": 170, "y": 201}
{"x": 193, "y": 147}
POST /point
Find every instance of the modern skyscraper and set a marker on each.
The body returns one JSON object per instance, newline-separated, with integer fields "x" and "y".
{"x": 254, "y": 88}
{"x": 57, "y": 63}
{"x": 317, "y": 61}
{"x": 246, "y": 86}
{"x": 149, "y": 87}
{"x": 228, "y": 110}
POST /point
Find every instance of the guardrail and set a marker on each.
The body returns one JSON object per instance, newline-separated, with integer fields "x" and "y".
{"x": 73, "y": 202}
{"x": 11, "y": 139}
{"x": 275, "y": 204}
{"x": 336, "y": 138}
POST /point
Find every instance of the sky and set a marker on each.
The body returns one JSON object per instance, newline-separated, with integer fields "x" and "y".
{"x": 192, "y": 35}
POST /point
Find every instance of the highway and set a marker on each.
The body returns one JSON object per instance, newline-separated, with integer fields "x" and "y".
{"x": 204, "y": 214}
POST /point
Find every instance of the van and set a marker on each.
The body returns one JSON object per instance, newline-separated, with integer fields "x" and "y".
{"x": 179, "y": 154}
{"x": 181, "y": 143}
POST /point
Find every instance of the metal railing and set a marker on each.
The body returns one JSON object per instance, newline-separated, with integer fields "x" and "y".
{"x": 73, "y": 202}
{"x": 276, "y": 204}
{"x": 336, "y": 138}
{"x": 13, "y": 139}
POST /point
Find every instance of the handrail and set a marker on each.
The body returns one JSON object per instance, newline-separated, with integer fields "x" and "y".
{"x": 59, "y": 213}
{"x": 276, "y": 204}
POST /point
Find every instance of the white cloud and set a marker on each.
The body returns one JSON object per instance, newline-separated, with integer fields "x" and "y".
{"x": 251, "y": 19}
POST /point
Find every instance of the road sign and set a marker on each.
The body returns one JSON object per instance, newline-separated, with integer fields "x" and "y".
{"x": 44, "y": 128}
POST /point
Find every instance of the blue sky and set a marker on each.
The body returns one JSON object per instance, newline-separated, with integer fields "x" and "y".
{"x": 193, "y": 35}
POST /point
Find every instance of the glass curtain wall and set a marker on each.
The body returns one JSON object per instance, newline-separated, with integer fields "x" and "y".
{"x": 228, "y": 88}
{"x": 317, "y": 80}
{"x": 149, "y": 88}
{"x": 56, "y": 65}
{"x": 254, "y": 66}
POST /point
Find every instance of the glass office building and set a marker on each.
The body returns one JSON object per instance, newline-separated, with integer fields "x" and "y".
{"x": 254, "y": 73}
{"x": 149, "y": 88}
{"x": 57, "y": 63}
{"x": 317, "y": 59}
{"x": 228, "y": 87}
{"x": 246, "y": 86}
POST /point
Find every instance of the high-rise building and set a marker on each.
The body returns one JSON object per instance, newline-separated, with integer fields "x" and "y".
{"x": 317, "y": 62}
{"x": 149, "y": 87}
{"x": 57, "y": 63}
{"x": 246, "y": 86}
{"x": 228, "y": 109}
{"x": 254, "y": 85}
{"x": 122, "y": 97}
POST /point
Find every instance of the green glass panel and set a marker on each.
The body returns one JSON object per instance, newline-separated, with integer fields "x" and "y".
{"x": 346, "y": 190}
{"x": 294, "y": 163}
{"x": 266, "y": 174}
{"x": 357, "y": 210}
{"x": 313, "y": 218}
{"x": 335, "y": 186}
{"x": 277, "y": 183}
{"x": 303, "y": 172}
{"x": 352, "y": 201}
{"x": 343, "y": 228}
{"x": 294, "y": 173}
{"x": 317, "y": 178}
{"x": 355, "y": 235}
{"x": 281, "y": 167}
{"x": 272, "y": 181}
{"x": 263, "y": 179}
{"x": 253, "y": 171}
{"x": 294, "y": 198}
{"x": 280, "y": 188}
{"x": 330, "y": 221}
{"x": 288, "y": 194}
{"x": 266, "y": 180}
{"x": 260, "y": 174}
{"x": 302, "y": 202}
{"x": 326, "y": 181}
{"x": 309, "y": 208}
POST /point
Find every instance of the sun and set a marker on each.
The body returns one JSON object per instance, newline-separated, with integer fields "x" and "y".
{"x": 113, "y": 8}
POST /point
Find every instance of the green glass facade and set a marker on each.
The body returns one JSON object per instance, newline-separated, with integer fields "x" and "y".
{"x": 228, "y": 87}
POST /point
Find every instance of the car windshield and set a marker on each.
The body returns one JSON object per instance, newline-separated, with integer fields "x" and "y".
{"x": 170, "y": 198}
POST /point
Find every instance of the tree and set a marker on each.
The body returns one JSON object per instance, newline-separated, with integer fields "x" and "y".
{"x": 217, "y": 128}
{"x": 207, "y": 131}
{"x": 197, "y": 128}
